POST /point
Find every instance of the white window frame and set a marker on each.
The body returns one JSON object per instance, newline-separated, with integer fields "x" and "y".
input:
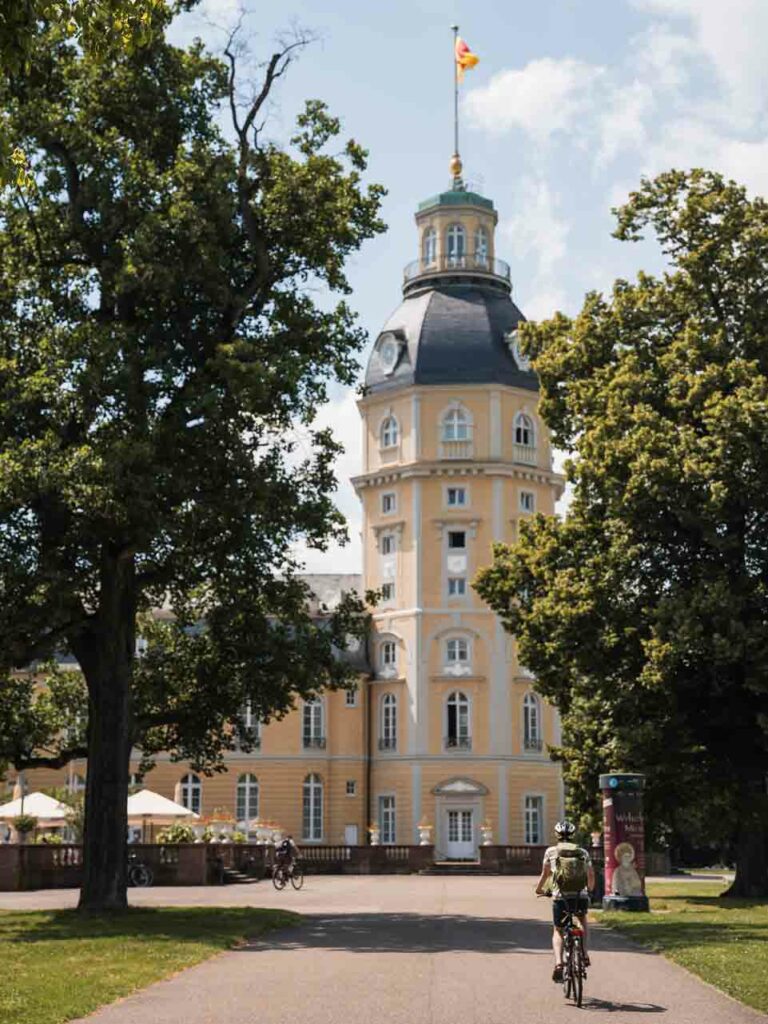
{"x": 247, "y": 797}
{"x": 456, "y": 489}
{"x": 524, "y": 426}
{"x": 456, "y": 425}
{"x": 388, "y": 655}
{"x": 482, "y": 251}
{"x": 525, "y": 503}
{"x": 455, "y": 245}
{"x": 313, "y": 724}
{"x": 454, "y": 547}
{"x": 191, "y": 792}
{"x": 387, "y": 807}
{"x": 389, "y": 432}
{"x": 533, "y": 811}
{"x": 463, "y": 720}
{"x": 388, "y": 591}
{"x": 388, "y": 543}
{"x": 532, "y": 737}
{"x": 353, "y": 790}
{"x": 312, "y": 808}
{"x": 458, "y": 651}
{"x": 350, "y": 697}
{"x": 388, "y": 722}
{"x": 391, "y": 497}
{"x": 454, "y": 581}
{"x": 429, "y": 247}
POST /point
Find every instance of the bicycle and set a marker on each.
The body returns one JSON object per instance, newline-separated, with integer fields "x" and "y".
{"x": 139, "y": 875}
{"x": 574, "y": 969}
{"x": 281, "y": 875}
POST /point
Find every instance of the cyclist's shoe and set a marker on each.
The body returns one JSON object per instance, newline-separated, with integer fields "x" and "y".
{"x": 557, "y": 975}
{"x": 587, "y": 961}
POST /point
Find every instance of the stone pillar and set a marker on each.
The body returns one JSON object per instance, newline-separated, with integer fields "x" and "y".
{"x": 624, "y": 839}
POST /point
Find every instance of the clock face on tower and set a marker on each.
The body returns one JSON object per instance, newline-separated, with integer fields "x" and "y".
{"x": 388, "y": 348}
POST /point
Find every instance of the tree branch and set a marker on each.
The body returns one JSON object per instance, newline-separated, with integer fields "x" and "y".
{"x": 54, "y": 761}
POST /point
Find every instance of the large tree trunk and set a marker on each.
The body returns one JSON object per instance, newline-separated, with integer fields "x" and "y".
{"x": 108, "y": 668}
{"x": 752, "y": 847}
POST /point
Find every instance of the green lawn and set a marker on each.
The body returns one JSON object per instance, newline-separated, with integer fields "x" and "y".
{"x": 724, "y": 941}
{"x": 57, "y": 966}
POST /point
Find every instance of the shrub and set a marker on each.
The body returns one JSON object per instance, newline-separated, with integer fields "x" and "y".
{"x": 177, "y": 833}
{"x": 24, "y": 823}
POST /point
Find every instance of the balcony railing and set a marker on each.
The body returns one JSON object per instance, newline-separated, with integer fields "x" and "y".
{"x": 524, "y": 453}
{"x": 456, "y": 449}
{"x": 390, "y": 743}
{"x": 533, "y": 743}
{"x": 317, "y": 742}
{"x": 472, "y": 262}
{"x": 457, "y": 742}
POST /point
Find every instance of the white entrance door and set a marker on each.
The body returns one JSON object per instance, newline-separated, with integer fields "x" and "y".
{"x": 461, "y": 835}
{"x": 350, "y": 835}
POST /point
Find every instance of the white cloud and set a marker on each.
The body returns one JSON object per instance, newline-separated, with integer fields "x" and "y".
{"x": 221, "y": 12}
{"x": 538, "y": 236}
{"x": 622, "y": 125}
{"x": 545, "y": 97}
{"x": 732, "y": 34}
{"x": 343, "y": 418}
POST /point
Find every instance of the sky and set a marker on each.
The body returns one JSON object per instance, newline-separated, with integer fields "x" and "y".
{"x": 573, "y": 101}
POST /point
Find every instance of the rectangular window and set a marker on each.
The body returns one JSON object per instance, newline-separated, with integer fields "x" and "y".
{"x": 457, "y": 539}
{"x": 387, "y": 819}
{"x": 388, "y": 503}
{"x": 387, "y": 544}
{"x": 534, "y": 815}
{"x": 527, "y": 501}
{"x": 388, "y": 654}
{"x": 388, "y": 591}
{"x": 457, "y": 586}
{"x": 457, "y": 652}
{"x": 313, "y": 725}
{"x": 351, "y": 787}
{"x": 351, "y": 698}
{"x": 456, "y": 497}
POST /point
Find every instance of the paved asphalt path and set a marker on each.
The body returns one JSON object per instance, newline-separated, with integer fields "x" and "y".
{"x": 407, "y": 950}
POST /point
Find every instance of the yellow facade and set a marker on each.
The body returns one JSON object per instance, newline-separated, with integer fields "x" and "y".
{"x": 446, "y": 732}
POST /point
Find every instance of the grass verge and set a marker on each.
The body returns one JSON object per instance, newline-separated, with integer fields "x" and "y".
{"x": 724, "y": 941}
{"x": 58, "y": 966}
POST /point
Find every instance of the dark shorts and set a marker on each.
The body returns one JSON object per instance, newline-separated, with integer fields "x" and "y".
{"x": 562, "y": 904}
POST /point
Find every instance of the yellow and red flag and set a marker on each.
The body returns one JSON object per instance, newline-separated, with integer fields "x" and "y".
{"x": 465, "y": 59}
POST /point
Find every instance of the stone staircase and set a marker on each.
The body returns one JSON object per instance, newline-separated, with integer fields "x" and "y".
{"x": 456, "y": 867}
{"x": 234, "y": 877}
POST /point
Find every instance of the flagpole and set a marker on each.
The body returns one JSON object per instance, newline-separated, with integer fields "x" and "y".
{"x": 456, "y": 161}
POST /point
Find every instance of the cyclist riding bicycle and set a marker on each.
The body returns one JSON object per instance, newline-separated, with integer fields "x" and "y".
{"x": 572, "y": 876}
{"x": 286, "y": 854}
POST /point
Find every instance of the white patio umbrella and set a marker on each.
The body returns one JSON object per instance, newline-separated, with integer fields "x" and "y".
{"x": 146, "y": 806}
{"x": 39, "y": 805}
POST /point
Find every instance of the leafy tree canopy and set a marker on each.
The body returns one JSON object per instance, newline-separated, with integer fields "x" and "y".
{"x": 643, "y": 613}
{"x": 166, "y": 323}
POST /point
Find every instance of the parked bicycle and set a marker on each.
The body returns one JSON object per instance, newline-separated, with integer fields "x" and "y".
{"x": 284, "y": 873}
{"x": 139, "y": 875}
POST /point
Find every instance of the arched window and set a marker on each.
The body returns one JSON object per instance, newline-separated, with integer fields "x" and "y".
{"x": 457, "y": 651}
{"x": 389, "y": 432}
{"x": 531, "y": 722}
{"x": 456, "y": 425}
{"x": 458, "y": 731}
{"x": 312, "y": 808}
{"x": 388, "y": 724}
{"x": 247, "y": 798}
{"x": 429, "y": 247}
{"x": 525, "y": 433}
{"x": 191, "y": 793}
{"x": 313, "y": 725}
{"x": 481, "y": 247}
{"x": 388, "y": 657}
{"x": 456, "y": 245}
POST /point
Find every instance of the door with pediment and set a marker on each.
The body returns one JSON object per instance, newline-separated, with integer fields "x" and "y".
{"x": 459, "y": 804}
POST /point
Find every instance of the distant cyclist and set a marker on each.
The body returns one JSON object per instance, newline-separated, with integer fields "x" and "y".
{"x": 286, "y": 854}
{"x": 570, "y": 869}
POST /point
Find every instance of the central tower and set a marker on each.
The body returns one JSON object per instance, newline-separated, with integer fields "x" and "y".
{"x": 454, "y": 455}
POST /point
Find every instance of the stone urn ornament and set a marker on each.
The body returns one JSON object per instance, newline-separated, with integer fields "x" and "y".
{"x": 425, "y": 835}
{"x": 375, "y": 834}
{"x": 486, "y": 834}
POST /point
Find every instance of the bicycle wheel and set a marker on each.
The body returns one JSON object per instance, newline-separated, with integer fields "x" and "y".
{"x": 278, "y": 878}
{"x": 297, "y": 878}
{"x": 140, "y": 876}
{"x": 577, "y": 972}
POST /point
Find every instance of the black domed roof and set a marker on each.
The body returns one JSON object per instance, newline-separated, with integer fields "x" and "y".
{"x": 451, "y": 334}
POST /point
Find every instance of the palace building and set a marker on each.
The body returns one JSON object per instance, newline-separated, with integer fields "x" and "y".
{"x": 444, "y": 729}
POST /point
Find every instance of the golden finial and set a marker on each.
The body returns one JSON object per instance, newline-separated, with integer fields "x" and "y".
{"x": 455, "y": 166}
